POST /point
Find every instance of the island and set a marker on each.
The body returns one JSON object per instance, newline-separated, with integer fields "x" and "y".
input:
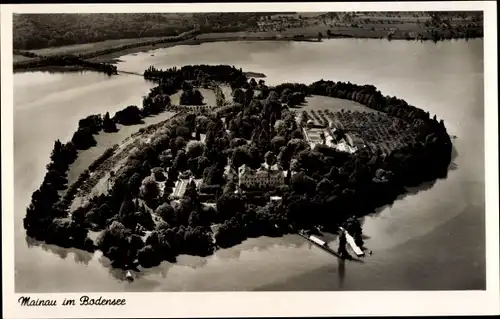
{"x": 236, "y": 159}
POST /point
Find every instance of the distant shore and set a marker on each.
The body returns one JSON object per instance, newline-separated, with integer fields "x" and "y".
{"x": 22, "y": 63}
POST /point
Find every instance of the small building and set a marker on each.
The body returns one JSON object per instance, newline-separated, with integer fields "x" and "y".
{"x": 276, "y": 199}
{"x": 181, "y": 184}
{"x": 315, "y": 136}
{"x": 355, "y": 141}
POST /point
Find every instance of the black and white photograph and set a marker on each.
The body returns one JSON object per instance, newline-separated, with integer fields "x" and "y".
{"x": 248, "y": 148}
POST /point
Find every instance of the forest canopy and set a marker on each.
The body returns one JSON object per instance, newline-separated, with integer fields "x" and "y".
{"x": 35, "y": 31}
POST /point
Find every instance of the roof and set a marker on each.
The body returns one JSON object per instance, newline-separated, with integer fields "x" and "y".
{"x": 274, "y": 171}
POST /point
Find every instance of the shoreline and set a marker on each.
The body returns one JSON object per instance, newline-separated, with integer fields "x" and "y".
{"x": 113, "y": 57}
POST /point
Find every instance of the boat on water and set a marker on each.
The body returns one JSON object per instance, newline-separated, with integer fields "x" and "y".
{"x": 352, "y": 243}
{"x": 129, "y": 276}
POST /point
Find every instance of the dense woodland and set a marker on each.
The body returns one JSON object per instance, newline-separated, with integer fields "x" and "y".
{"x": 324, "y": 187}
{"x": 35, "y": 31}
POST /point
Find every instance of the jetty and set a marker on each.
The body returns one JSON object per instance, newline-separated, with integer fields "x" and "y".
{"x": 320, "y": 243}
{"x": 324, "y": 245}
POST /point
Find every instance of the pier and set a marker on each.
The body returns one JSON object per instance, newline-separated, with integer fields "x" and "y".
{"x": 130, "y": 72}
{"x": 324, "y": 245}
{"x": 321, "y": 244}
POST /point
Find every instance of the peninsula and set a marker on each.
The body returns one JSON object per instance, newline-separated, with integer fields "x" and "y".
{"x": 236, "y": 159}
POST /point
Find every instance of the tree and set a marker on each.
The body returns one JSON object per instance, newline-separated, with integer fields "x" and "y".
{"x": 148, "y": 257}
{"x": 239, "y": 96}
{"x": 108, "y": 124}
{"x": 240, "y": 156}
{"x": 213, "y": 175}
{"x": 249, "y": 93}
{"x": 301, "y": 183}
{"x": 277, "y": 143}
{"x": 149, "y": 189}
{"x": 167, "y": 213}
{"x": 191, "y": 97}
{"x": 129, "y": 116}
{"x": 183, "y": 131}
{"x": 270, "y": 158}
{"x": 158, "y": 174}
{"x": 191, "y": 193}
{"x": 127, "y": 207}
{"x": 235, "y": 142}
{"x": 197, "y": 98}
{"x": 229, "y": 205}
{"x": 201, "y": 123}
{"x": 195, "y": 149}
{"x": 186, "y": 86}
{"x": 253, "y": 83}
{"x": 194, "y": 219}
{"x": 83, "y": 139}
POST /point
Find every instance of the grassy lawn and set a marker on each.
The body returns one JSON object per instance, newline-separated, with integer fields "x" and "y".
{"x": 90, "y": 47}
{"x": 20, "y": 58}
{"x": 318, "y": 102}
{"x": 228, "y": 92}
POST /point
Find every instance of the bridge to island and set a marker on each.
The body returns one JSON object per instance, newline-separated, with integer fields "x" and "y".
{"x": 130, "y": 72}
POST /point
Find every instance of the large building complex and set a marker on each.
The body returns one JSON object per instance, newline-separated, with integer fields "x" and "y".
{"x": 260, "y": 178}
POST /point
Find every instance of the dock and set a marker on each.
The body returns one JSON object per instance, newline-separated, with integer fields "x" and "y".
{"x": 324, "y": 245}
{"x": 320, "y": 243}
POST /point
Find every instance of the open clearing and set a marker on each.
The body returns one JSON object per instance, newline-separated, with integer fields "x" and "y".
{"x": 317, "y": 102}
{"x": 20, "y": 58}
{"x": 90, "y": 47}
{"x": 228, "y": 92}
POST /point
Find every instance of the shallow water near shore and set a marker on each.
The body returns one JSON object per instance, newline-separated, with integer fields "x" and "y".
{"x": 432, "y": 238}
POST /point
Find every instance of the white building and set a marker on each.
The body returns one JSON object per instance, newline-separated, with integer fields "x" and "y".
{"x": 181, "y": 184}
{"x": 260, "y": 178}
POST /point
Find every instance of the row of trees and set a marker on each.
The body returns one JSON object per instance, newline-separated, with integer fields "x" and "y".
{"x": 197, "y": 74}
{"x": 63, "y": 61}
{"x": 46, "y": 218}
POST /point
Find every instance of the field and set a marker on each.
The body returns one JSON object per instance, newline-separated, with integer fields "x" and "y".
{"x": 20, "y": 58}
{"x": 228, "y": 92}
{"x": 316, "y": 102}
{"x": 90, "y": 47}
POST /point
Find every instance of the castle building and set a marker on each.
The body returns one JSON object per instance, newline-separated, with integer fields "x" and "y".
{"x": 260, "y": 179}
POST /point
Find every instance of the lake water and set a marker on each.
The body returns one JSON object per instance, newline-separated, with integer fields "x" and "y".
{"x": 433, "y": 238}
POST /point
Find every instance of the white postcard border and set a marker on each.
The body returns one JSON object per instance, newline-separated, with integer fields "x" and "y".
{"x": 259, "y": 304}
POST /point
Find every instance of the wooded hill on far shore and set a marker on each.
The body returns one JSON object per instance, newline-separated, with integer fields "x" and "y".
{"x": 37, "y": 31}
